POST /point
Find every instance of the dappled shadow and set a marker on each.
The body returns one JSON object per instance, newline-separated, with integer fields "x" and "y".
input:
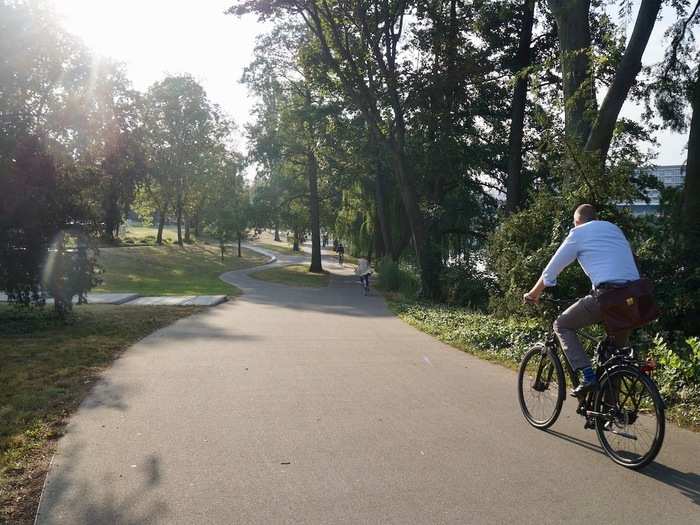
{"x": 70, "y": 498}
{"x": 198, "y": 327}
{"x": 151, "y": 469}
{"x": 107, "y": 394}
{"x": 368, "y": 307}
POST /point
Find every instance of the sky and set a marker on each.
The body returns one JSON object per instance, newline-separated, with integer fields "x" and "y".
{"x": 154, "y": 38}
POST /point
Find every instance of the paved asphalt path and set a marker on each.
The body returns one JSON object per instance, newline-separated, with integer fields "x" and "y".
{"x": 299, "y": 405}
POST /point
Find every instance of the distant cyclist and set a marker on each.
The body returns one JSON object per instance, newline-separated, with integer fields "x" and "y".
{"x": 341, "y": 253}
{"x": 364, "y": 271}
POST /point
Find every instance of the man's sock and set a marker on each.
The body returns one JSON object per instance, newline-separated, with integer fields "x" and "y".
{"x": 588, "y": 375}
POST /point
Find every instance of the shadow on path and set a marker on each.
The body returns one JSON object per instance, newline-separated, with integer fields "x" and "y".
{"x": 105, "y": 505}
{"x": 687, "y": 483}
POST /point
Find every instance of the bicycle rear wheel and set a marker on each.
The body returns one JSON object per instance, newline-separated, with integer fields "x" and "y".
{"x": 541, "y": 387}
{"x": 633, "y": 429}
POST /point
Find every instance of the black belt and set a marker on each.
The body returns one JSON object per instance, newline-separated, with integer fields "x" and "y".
{"x": 612, "y": 285}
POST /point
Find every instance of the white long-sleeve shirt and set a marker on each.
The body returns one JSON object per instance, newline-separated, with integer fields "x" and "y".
{"x": 602, "y": 251}
{"x": 362, "y": 267}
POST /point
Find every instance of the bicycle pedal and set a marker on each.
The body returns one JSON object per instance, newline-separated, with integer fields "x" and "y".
{"x": 590, "y": 424}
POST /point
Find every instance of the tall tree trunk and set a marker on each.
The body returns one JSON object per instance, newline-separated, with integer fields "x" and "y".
{"x": 277, "y": 233}
{"x": 403, "y": 240}
{"x": 312, "y": 167}
{"x": 326, "y": 28}
{"x": 239, "y": 243}
{"x": 179, "y": 221}
{"x": 426, "y": 253}
{"x": 161, "y": 225}
{"x": 188, "y": 238}
{"x": 601, "y": 134}
{"x": 380, "y": 203}
{"x": 574, "y": 31}
{"x": 295, "y": 243}
{"x": 586, "y": 126}
{"x": 691, "y": 190}
{"x": 514, "y": 183}
{"x": 379, "y": 247}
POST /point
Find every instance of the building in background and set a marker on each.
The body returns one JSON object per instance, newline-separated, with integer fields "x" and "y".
{"x": 670, "y": 176}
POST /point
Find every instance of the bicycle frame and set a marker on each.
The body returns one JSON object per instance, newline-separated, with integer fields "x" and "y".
{"x": 585, "y": 403}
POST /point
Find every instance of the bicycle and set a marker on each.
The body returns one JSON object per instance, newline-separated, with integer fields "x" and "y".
{"x": 627, "y": 401}
{"x": 364, "y": 282}
{"x": 341, "y": 256}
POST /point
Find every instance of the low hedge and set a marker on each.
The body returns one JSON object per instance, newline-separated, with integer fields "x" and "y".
{"x": 498, "y": 339}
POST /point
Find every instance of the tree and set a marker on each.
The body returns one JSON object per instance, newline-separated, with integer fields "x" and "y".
{"x": 39, "y": 206}
{"x": 42, "y": 189}
{"x": 179, "y": 124}
{"x": 514, "y": 184}
{"x": 291, "y": 115}
{"x": 677, "y": 84}
{"x": 228, "y": 214}
{"x": 359, "y": 44}
{"x": 589, "y": 127}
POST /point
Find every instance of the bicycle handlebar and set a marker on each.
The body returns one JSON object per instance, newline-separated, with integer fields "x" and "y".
{"x": 552, "y": 300}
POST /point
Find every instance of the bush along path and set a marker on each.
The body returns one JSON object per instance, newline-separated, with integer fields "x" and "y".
{"x": 506, "y": 340}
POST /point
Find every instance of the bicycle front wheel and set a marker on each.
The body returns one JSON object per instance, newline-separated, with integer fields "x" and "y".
{"x": 541, "y": 387}
{"x": 632, "y": 430}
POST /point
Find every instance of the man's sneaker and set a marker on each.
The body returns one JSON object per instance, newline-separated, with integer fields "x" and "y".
{"x": 585, "y": 387}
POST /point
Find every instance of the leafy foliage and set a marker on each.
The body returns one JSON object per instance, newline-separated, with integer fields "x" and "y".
{"x": 500, "y": 339}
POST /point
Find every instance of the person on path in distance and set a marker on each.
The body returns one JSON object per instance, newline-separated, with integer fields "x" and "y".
{"x": 606, "y": 258}
{"x": 341, "y": 253}
{"x": 364, "y": 271}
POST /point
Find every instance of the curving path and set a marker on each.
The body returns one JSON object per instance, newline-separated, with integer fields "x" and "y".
{"x": 302, "y": 405}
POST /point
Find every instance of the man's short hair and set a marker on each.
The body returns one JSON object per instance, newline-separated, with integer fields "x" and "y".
{"x": 585, "y": 213}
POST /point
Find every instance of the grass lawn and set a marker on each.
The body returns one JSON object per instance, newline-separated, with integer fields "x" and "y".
{"x": 133, "y": 234}
{"x": 295, "y": 275}
{"x": 48, "y": 367}
{"x": 193, "y": 269}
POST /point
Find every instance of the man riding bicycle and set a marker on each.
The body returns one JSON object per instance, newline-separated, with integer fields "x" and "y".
{"x": 606, "y": 258}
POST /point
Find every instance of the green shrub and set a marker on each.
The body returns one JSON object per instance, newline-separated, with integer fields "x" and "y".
{"x": 501, "y": 339}
{"x": 395, "y": 278}
{"x": 678, "y": 376}
{"x": 389, "y": 275}
{"x": 462, "y": 285}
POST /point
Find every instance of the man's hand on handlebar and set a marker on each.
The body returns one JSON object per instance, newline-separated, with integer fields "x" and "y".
{"x": 531, "y": 298}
